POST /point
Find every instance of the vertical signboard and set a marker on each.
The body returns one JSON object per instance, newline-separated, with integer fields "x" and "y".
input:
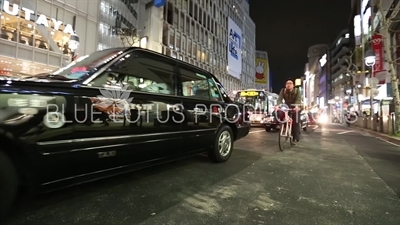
{"x": 377, "y": 47}
{"x": 234, "y": 49}
{"x": 261, "y": 76}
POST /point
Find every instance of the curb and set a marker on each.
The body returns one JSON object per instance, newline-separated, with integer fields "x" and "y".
{"x": 378, "y": 134}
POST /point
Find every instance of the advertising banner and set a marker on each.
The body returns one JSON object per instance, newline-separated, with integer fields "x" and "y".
{"x": 377, "y": 47}
{"x": 234, "y": 49}
{"x": 261, "y": 76}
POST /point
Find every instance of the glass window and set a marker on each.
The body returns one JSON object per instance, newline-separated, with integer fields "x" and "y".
{"x": 192, "y": 29}
{"x": 183, "y": 44}
{"x": 187, "y": 25}
{"x": 190, "y": 50}
{"x": 198, "y": 85}
{"x": 172, "y": 39}
{"x": 182, "y": 22}
{"x": 197, "y": 32}
{"x": 201, "y": 35}
{"x": 40, "y": 32}
{"x": 184, "y": 5}
{"x": 178, "y": 42}
{"x": 194, "y": 50}
{"x": 139, "y": 73}
{"x": 176, "y": 18}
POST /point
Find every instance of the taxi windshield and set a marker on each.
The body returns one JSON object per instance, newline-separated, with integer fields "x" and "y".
{"x": 84, "y": 65}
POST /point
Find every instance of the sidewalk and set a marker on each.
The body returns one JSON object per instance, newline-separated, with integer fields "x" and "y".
{"x": 387, "y": 137}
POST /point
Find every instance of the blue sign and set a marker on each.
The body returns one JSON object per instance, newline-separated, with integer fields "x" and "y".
{"x": 159, "y": 3}
{"x": 234, "y": 44}
{"x": 234, "y": 49}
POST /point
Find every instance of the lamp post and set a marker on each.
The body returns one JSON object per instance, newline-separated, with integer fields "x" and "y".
{"x": 348, "y": 94}
{"x": 370, "y": 62}
{"x": 73, "y": 44}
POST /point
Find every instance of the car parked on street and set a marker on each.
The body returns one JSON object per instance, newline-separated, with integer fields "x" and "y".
{"x": 111, "y": 112}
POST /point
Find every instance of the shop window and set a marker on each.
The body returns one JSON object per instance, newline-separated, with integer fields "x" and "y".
{"x": 43, "y": 33}
{"x": 142, "y": 74}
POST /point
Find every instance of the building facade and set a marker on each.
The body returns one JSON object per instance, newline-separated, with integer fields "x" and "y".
{"x": 38, "y": 36}
{"x": 262, "y": 74}
{"x": 316, "y": 80}
{"x": 200, "y": 33}
{"x": 367, "y": 31}
{"x": 340, "y": 66}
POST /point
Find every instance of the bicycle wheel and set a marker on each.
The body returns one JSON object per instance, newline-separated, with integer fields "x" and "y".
{"x": 282, "y": 139}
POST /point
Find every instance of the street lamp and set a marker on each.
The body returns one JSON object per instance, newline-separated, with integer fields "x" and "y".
{"x": 73, "y": 44}
{"x": 370, "y": 58}
{"x": 370, "y": 62}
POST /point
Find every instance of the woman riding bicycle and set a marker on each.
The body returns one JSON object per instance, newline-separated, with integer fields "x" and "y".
{"x": 292, "y": 97}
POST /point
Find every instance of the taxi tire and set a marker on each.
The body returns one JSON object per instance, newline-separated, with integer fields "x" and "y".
{"x": 214, "y": 153}
{"x": 268, "y": 129}
{"x": 8, "y": 185}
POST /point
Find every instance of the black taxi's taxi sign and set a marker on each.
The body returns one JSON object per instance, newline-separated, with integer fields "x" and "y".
{"x": 248, "y": 93}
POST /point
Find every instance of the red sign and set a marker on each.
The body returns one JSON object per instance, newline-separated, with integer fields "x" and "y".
{"x": 377, "y": 47}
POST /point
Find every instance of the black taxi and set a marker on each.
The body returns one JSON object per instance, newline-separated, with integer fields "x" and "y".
{"x": 110, "y": 112}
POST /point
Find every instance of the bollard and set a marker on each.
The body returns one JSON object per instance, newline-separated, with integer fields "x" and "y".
{"x": 364, "y": 121}
{"x": 374, "y": 123}
{"x": 392, "y": 115}
{"x": 386, "y": 124}
{"x": 368, "y": 119}
{"x": 380, "y": 124}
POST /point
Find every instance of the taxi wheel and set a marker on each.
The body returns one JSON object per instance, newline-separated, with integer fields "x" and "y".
{"x": 268, "y": 129}
{"x": 223, "y": 146}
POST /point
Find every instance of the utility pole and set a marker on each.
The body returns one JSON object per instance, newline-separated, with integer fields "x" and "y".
{"x": 362, "y": 52}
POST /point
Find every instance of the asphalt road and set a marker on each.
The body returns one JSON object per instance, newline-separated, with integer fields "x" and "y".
{"x": 330, "y": 177}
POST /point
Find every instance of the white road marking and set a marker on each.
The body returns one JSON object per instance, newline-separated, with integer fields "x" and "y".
{"x": 345, "y": 132}
{"x": 388, "y": 142}
{"x": 256, "y": 131}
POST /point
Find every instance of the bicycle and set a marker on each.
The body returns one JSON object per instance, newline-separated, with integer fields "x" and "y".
{"x": 285, "y": 133}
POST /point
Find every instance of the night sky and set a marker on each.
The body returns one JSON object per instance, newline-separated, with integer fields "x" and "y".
{"x": 286, "y": 28}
